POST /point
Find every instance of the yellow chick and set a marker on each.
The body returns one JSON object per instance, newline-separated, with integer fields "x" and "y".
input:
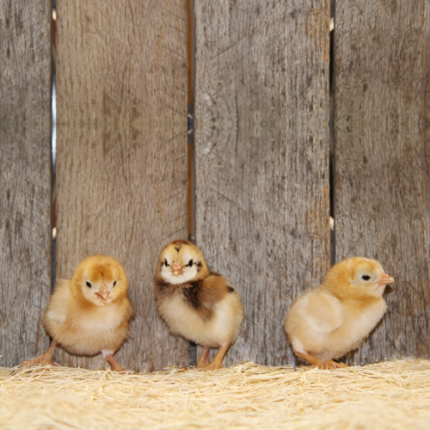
{"x": 90, "y": 313}
{"x": 199, "y": 305}
{"x": 333, "y": 319}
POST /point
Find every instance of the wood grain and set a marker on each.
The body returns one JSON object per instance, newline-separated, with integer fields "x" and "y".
{"x": 262, "y": 150}
{"x": 122, "y": 153}
{"x": 382, "y": 161}
{"x": 25, "y": 177}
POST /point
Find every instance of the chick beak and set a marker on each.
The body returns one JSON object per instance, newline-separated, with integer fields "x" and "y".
{"x": 103, "y": 292}
{"x": 177, "y": 269}
{"x": 385, "y": 280}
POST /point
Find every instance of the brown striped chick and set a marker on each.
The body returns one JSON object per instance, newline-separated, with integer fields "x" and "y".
{"x": 199, "y": 305}
{"x": 90, "y": 313}
{"x": 333, "y": 319}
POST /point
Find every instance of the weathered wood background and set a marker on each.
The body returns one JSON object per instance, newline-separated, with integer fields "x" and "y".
{"x": 121, "y": 185}
{"x": 261, "y": 155}
{"x": 382, "y": 160}
{"x": 25, "y": 177}
{"x": 262, "y": 188}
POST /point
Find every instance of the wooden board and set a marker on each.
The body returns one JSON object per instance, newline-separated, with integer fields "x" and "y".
{"x": 122, "y": 153}
{"x": 25, "y": 177}
{"x": 262, "y": 185}
{"x": 382, "y": 161}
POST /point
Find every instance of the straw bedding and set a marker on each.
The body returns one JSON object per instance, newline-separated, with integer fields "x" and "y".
{"x": 391, "y": 395}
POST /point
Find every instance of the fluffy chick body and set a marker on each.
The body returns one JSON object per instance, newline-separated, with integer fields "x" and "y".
{"x": 90, "y": 313}
{"x": 189, "y": 317}
{"x": 195, "y": 303}
{"x": 329, "y": 321}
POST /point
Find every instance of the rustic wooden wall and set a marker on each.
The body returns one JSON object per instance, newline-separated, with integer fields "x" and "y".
{"x": 262, "y": 185}
{"x": 261, "y": 159}
{"x": 382, "y": 160}
{"x": 25, "y": 177}
{"x": 122, "y": 152}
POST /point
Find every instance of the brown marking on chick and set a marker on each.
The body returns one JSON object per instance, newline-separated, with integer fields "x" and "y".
{"x": 202, "y": 295}
{"x": 192, "y": 296}
{"x": 178, "y": 244}
{"x": 213, "y": 289}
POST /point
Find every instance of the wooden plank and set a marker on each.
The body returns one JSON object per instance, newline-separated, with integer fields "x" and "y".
{"x": 382, "y": 161}
{"x": 262, "y": 158}
{"x": 122, "y": 153}
{"x": 25, "y": 177}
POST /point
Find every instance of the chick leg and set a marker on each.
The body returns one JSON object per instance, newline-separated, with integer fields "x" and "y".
{"x": 45, "y": 358}
{"x": 217, "y": 361}
{"x": 203, "y": 359}
{"x": 329, "y": 364}
{"x": 113, "y": 363}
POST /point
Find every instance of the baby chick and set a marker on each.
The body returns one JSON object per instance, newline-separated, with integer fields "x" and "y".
{"x": 195, "y": 303}
{"x": 90, "y": 313}
{"x": 333, "y": 319}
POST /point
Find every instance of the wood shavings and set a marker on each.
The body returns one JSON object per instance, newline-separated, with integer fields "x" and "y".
{"x": 391, "y": 395}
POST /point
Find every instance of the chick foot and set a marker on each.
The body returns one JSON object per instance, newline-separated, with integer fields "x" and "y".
{"x": 217, "y": 361}
{"x": 43, "y": 359}
{"x": 328, "y": 364}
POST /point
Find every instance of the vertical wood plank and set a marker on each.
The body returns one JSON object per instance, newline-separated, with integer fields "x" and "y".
{"x": 262, "y": 158}
{"x": 122, "y": 153}
{"x": 382, "y": 161}
{"x": 25, "y": 177}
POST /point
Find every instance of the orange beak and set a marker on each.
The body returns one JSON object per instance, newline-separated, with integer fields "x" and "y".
{"x": 177, "y": 269}
{"x": 103, "y": 292}
{"x": 385, "y": 280}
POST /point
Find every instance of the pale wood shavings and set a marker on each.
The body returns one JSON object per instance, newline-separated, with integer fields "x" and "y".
{"x": 392, "y": 395}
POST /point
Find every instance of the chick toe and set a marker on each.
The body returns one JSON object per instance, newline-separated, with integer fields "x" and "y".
{"x": 44, "y": 359}
{"x": 330, "y": 364}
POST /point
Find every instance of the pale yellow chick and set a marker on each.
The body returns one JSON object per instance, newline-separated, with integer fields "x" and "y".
{"x": 333, "y": 319}
{"x": 199, "y": 305}
{"x": 90, "y": 313}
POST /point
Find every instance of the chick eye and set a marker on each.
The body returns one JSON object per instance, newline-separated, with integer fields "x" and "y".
{"x": 114, "y": 283}
{"x": 190, "y": 263}
{"x": 365, "y": 277}
{"x": 88, "y": 284}
{"x": 166, "y": 263}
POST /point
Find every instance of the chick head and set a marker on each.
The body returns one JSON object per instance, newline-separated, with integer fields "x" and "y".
{"x": 181, "y": 261}
{"x": 101, "y": 280}
{"x": 359, "y": 276}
